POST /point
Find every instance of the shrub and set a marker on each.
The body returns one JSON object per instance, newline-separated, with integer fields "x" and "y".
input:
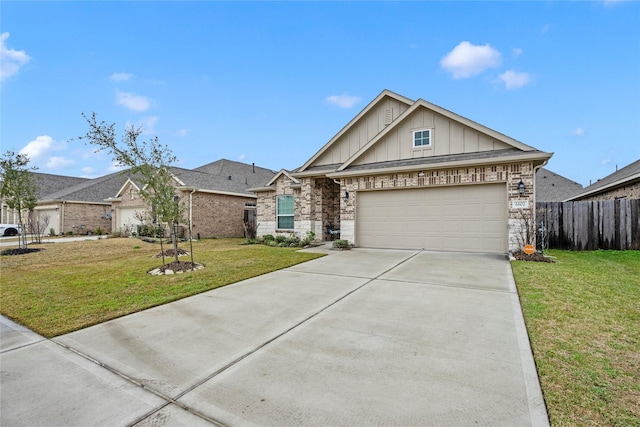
{"x": 341, "y": 244}
{"x": 52, "y": 232}
{"x": 99, "y": 231}
{"x": 268, "y": 238}
{"x": 280, "y": 238}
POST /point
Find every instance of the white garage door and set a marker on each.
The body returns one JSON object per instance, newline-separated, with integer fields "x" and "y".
{"x": 461, "y": 218}
{"x": 126, "y": 219}
{"x": 51, "y": 217}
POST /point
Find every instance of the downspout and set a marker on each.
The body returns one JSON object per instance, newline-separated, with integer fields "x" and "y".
{"x": 535, "y": 220}
{"x": 61, "y": 219}
{"x": 191, "y": 214}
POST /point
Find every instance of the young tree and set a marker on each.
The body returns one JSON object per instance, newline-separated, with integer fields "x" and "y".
{"x": 18, "y": 187}
{"x": 147, "y": 159}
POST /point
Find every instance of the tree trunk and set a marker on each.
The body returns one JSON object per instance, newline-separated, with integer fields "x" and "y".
{"x": 174, "y": 238}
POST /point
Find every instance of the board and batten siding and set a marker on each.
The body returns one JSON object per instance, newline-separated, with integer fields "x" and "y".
{"x": 448, "y": 137}
{"x": 371, "y": 124}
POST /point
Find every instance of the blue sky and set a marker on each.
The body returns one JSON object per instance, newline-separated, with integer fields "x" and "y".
{"x": 271, "y": 83}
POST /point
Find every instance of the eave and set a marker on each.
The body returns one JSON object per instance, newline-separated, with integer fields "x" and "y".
{"x": 538, "y": 157}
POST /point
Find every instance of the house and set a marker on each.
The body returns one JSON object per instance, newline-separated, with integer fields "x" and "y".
{"x": 46, "y": 184}
{"x": 623, "y": 183}
{"x": 215, "y": 195}
{"x": 408, "y": 174}
{"x": 78, "y": 208}
{"x": 551, "y": 187}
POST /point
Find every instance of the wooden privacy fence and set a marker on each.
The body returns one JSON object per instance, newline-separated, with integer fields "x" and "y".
{"x": 590, "y": 225}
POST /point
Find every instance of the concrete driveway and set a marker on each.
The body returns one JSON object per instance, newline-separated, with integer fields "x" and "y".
{"x": 361, "y": 337}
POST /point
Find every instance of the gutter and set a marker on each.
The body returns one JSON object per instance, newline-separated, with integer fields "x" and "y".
{"x": 443, "y": 165}
{"x": 624, "y": 181}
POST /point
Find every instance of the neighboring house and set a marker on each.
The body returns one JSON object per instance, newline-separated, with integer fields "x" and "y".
{"x": 46, "y": 183}
{"x": 551, "y": 187}
{"x": 408, "y": 174}
{"x": 79, "y": 208}
{"x": 215, "y": 196}
{"x": 623, "y": 183}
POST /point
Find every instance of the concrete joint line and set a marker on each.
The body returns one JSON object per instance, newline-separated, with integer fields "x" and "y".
{"x": 469, "y": 288}
{"x": 168, "y": 399}
{"x": 269, "y": 341}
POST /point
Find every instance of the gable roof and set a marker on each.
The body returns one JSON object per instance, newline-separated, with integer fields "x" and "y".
{"x": 624, "y": 176}
{"x": 269, "y": 186}
{"x": 551, "y": 187}
{"x": 95, "y": 190}
{"x": 506, "y": 150}
{"x": 384, "y": 94}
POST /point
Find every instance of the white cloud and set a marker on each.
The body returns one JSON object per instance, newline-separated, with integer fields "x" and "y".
{"x": 516, "y": 52}
{"x": 182, "y": 132}
{"x": 467, "y": 60}
{"x": 41, "y": 153}
{"x": 242, "y": 156}
{"x": 132, "y": 101}
{"x": 147, "y": 124}
{"x": 57, "y": 162}
{"x": 343, "y": 101}
{"x": 514, "y": 80}
{"x": 115, "y": 167}
{"x": 578, "y": 132}
{"x": 121, "y": 77}
{"x": 545, "y": 28}
{"x": 11, "y": 60}
{"x": 605, "y": 162}
{"x": 40, "y": 147}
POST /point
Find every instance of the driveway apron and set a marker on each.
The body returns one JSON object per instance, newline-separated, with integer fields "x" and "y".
{"x": 359, "y": 337}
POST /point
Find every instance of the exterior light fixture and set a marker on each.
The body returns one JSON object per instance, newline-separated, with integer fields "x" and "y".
{"x": 346, "y": 196}
{"x": 521, "y": 188}
{"x": 421, "y": 174}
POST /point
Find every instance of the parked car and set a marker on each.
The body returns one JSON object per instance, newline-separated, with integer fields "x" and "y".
{"x": 10, "y": 229}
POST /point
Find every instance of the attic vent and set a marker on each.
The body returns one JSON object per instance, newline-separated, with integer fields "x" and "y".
{"x": 388, "y": 116}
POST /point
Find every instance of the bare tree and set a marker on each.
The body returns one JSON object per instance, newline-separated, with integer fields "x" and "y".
{"x": 38, "y": 224}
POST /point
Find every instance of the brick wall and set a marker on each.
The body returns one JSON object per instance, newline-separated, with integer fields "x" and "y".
{"x": 218, "y": 215}
{"x": 80, "y": 218}
{"x": 631, "y": 191}
{"x": 510, "y": 174}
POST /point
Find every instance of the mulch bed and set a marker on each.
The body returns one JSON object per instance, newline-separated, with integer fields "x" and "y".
{"x": 537, "y": 257}
{"x": 170, "y": 253}
{"x": 19, "y": 251}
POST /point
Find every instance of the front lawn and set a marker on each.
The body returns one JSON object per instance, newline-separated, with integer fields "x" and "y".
{"x": 72, "y": 285}
{"x": 583, "y": 318}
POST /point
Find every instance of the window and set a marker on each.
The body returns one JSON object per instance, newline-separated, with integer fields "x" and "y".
{"x": 422, "y": 138}
{"x": 284, "y": 209}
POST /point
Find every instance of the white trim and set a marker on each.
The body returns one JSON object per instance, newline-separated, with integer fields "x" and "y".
{"x": 426, "y": 146}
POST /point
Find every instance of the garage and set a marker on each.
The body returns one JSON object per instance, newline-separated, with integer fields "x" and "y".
{"x": 470, "y": 218}
{"x": 49, "y": 217}
{"x": 126, "y": 219}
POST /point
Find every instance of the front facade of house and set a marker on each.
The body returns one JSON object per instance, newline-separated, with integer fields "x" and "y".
{"x": 215, "y": 199}
{"x": 410, "y": 175}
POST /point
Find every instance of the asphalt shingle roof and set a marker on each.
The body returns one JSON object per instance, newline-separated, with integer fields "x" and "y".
{"x": 242, "y": 175}
{"x": 92, "y": 190}
{"x": 223, "y": 175}
{"x": 620, "y": 176}
{"x": 551, "y": 187}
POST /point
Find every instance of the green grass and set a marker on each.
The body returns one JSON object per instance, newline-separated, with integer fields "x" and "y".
{"x": 69, "y": 286}
{"x": 583, "y": 318}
